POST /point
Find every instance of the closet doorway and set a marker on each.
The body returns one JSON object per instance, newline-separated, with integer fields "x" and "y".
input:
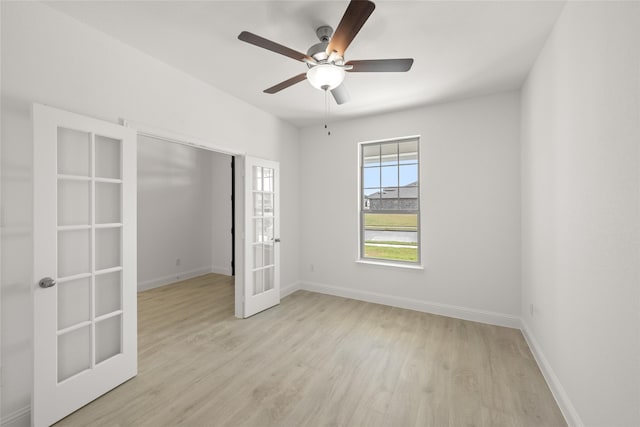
{"x": 185, "y": 212}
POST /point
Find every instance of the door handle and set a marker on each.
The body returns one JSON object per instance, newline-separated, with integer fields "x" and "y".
{"x": 277, "y": 240}
{"x": 46, "y": 282}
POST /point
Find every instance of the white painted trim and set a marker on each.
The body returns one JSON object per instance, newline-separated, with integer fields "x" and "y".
{"x": 562, "y": 398}
{"x": 465, "y": 313}
{"x": 406, "y": 266}
{"x": 289, "y": 289}
{"x": 171, "y": 136}
{"x": 19, "y": 418}
{"x": 175, "y": 137}
{"x": 177, "y": 277}
{"x": 398, "y": 139}
{"x": 221, "y": 270}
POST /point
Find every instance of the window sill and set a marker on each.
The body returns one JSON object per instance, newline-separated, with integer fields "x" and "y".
{"x": 389, "y": 264}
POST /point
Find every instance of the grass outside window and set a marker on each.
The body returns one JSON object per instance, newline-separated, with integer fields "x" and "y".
{"x": 393, "y": 250}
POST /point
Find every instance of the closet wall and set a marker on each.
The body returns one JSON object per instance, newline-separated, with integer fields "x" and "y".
{"x": 184, "y": 212}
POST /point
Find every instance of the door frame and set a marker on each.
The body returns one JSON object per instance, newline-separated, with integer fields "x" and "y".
{"x": 142, "y": 129}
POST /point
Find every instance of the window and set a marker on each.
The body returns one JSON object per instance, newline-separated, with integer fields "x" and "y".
{"x": 390, "y": 201}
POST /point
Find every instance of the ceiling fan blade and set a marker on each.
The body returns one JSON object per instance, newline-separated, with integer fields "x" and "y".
{"x": 285, "y": 84}
{"x": 256, "y": 40}
{"x": 341, "y": 94}
{"x": 380, "y": 65}
{"x": 353, "y": 19}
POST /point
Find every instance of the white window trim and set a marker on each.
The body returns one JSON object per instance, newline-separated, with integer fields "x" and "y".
{"x": 384, "y": 264}
{"x": 419, "y": 265}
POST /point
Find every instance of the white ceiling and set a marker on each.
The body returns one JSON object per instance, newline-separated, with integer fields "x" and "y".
{"x": 461, "y": 49}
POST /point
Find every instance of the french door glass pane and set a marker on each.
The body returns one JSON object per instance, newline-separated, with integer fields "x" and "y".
{"x": 269, "y": 278}
{"x": 267, "y": 200}
{"x": 107, "y": 157}
{"x": 267, "y": 179}
{"x": 257, "y": 178}
{"x": 257, "y": 256}
{"x": 74, "y": 154}
{"x": 74, "y": 352}
{"x": 108, "y": 293}
{"x": 257, "y": 230}
{"x": 74, "y": 301}
{"x": 257, "y": 204}
{"x": 74, "y": 202}
{"x": 268, "y": 254}
{"x": 108, "y": 338}
{"x": 108, "y": 203}
{"x": 107, "y": 248}
{"x": 267, "y": 231}
{"x": 74, "y": 249}
{"x": 258, "y": 285}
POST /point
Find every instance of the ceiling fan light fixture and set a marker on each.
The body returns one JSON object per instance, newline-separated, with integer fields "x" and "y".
{"x": 325, "y": 76}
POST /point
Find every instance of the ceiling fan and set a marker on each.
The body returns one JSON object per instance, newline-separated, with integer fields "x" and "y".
{"x": 325, "y": 60}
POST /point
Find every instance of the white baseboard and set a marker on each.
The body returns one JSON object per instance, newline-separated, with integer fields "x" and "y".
{"x": 19, "y": 418}
{"x": 457, "y": 312}
{"x": 221, "y": 270}
{"x": 558, "y": 391}
{"x": 162, "y": 281}
{"x": 289, "y": 289}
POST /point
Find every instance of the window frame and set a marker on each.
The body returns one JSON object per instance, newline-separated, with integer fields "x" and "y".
{"x": 361, "y": 211}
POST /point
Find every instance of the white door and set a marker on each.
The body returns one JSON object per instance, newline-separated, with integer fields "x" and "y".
{"x": 84, "y": 231}
{"x": 262, "y": 235}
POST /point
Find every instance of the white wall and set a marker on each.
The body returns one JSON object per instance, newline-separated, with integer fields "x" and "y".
{"x": 581, "y": 216}
{"x": 221, "y": 214}
{"x": 470, "y": 196}
{"x": 180, "y": 235}
{"x": 50, "y": 58}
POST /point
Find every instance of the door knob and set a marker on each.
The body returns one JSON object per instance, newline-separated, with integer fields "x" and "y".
{"x": 47, "y": 282}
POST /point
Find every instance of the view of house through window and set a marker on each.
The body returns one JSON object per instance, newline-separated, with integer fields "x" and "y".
{"x": 390, "y": 200}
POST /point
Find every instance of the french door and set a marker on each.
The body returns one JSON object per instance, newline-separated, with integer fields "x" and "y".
{"x": 84, "y": 297}
{"x": 262, "y": 235}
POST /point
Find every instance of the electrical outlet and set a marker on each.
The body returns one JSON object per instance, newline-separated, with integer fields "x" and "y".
{"x": 177, "y": 261}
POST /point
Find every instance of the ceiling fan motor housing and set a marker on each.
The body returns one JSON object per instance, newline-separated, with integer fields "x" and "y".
{"x": 319, "y": 50}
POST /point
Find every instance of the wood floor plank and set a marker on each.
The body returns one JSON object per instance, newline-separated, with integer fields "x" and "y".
{"x": 318, "y": 360}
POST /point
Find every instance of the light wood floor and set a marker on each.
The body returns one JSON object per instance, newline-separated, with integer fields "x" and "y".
{"x": 318, "y": 360}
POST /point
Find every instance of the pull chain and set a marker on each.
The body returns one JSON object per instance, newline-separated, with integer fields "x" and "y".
{"x": 326, "y": 111}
